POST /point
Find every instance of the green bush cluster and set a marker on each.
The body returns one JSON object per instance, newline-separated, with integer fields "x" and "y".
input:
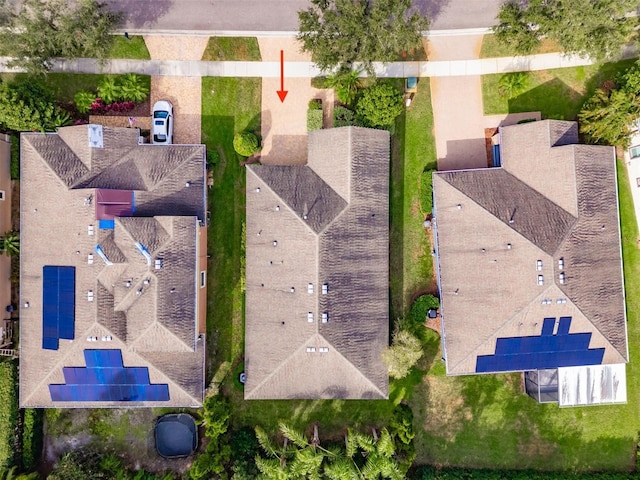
{"x": 90, "y": 464}
{"x": 32, "y": 438}
{"x": 422, "y": 304}
{"x": 27, "y": 106}
{"x": 379, "y": 105}
{"x": 245, "y": 143}
{"x": 122, "y": 88}
{"x": 8, "y": 412}
{"x": 314, "y": 120}
{"x": 315, "y": 104}
{"x": 344, "y": 117}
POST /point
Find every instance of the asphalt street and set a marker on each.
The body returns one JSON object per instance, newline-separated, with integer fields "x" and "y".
{"x": 246, "y": 16}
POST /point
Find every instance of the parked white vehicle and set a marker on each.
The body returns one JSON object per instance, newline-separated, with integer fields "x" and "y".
{"x": 162, "y": 128}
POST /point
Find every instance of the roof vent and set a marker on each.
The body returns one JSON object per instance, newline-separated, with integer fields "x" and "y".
{"x": 106, "y": 338}
{"x": 275, "y": 243}
{"x": 325, "y": 317}
{"x": 146, "y": 281}
{"x": 325, "y": 288}
{"x": 561, "y": 263}
{"x": 305, "y": 216}
{"x": 310, "y": 317}
{"x": 127, "y": 284}
{"x": 90, "y": 230}
{"x": 139, "y": 291}
{"x": 539, "y": 265}
{"x": 323, "y": 349}
{"x": 311, "y": 349}
{"x": 26, "y": 305}
{"x": 540, "y": 279}
{"x": 562, "y": 277}
{"x": 257, "y": 189}
{"x": 310, "y": 288}
{"x": 90, "y": 296}
{"x": 277, "y": 208}
{"x": 459, "y": 206}
{"x": 293, "y": 290}
{"x": 95, "y": 136}
{"x": 88, "y": 200}
{"x": 509, "y": 246}
{"x": 90, "y": 259}
{"x": 158, "y": 263}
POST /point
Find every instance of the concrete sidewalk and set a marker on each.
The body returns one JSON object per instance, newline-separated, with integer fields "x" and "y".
{"x": 306, "y": 69}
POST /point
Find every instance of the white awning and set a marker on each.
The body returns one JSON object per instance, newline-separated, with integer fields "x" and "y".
{"x": 592, "y": 385}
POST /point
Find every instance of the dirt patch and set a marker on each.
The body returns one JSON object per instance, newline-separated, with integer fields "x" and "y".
{"x": 445, "y": 411}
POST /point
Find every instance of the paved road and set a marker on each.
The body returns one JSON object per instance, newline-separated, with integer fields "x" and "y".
{"x": 210, "y": 16}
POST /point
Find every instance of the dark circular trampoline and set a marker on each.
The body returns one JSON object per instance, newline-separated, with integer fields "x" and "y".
{"x": 176, "y": 435}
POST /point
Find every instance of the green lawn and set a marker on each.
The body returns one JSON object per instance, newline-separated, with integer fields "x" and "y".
{"x": 232, "y": 48}
{"x": 557, "y": 93}
{"x": 229, "y": 105}
{"x": 413, "y": 152}
{"x": 486, "y": 420}
{"x": 491, "y": 48}
{"x": 134, "y": 48}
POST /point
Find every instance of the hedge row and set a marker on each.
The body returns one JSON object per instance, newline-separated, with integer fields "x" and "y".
{"x": 8, "y": 411}
{"x": 32, "y": 437}
{"x": 432, "y": 473}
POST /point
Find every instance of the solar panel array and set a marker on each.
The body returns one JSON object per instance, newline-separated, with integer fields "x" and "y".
{"x": 106, "y": 379}
{"x": 58, "y": 305}
{"x": 549, "y": 350}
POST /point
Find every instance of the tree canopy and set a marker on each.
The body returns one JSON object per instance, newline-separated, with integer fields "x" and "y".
{"x": 596, "y": 28}
{"x": 39, "y": 30}
{"x": 338, "y": 33}
{"x": 379, "y": 105}
{"x": 403, "y": 354}
{"x": 27, "y": 106}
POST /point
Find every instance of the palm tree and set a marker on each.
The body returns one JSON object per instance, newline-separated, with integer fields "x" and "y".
{"x": 513, "y": 84}
{"x": 346, "y": 83}
{"x": 10, "y": 243}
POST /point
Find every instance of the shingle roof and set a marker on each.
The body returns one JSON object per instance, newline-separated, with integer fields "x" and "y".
{"x": 549, "y": 211}
{"x": 343, "y": 243}
{"x": 150, "y": 313}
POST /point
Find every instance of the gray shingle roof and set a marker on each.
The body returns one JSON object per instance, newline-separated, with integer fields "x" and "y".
{"x": 343, "y": 243}
{"x": 562, "y": 199}
{"x": 150, "y": 313}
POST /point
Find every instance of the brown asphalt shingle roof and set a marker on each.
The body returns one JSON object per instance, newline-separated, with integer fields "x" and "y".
{"x": 562, "y": 200}
{"x": 150, "y": 313}
{"x": 342, "y": 242}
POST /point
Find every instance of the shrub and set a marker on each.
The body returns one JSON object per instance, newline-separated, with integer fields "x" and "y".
{"x": 314, "y": 120}
{"x": 83, "y": 101}
{"x": 343, "y": 117}
{"x": 245, "y": 144}
{"x": 213, "y": 158}
{"x": 315, "y": 104}
{"x": 418, "y": 312}
{"x": 379, "y": 105}
{"x": 403, "y": 354}
{"x": 109, "y": 90}
{"x": 426, "y": 190}
{"x": 133, "y": 88}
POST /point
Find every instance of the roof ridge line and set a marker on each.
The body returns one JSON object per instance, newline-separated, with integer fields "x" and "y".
{"x": 280, "y": 366}
{"x": 151, "y": 186}
{"x": 354, "y": 367}
{"x": 156, "y": 322}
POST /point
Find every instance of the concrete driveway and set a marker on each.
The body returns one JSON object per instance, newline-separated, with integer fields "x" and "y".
{"x": 458, "y": 107}
{"x": 185, "y": 93}
{"x": 284, "y": 124}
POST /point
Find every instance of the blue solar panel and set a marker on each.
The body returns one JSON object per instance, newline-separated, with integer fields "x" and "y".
{"x": 547, "y": 326}
{"x": 545, "y": 351}
{"x": 58, "y": 305}
{"x": 565, "y": 324}
{"x": 106, "y": 379}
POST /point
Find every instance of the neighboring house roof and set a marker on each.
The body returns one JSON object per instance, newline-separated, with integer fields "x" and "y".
{"x": 317, "y": 266}
{"x": 109, "y": 265}
{"x": 529, "y": 256}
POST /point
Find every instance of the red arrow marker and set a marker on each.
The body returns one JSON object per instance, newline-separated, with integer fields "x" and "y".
{"x": 282, "y": 93}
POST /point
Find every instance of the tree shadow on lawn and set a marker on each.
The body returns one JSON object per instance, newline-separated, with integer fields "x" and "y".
{"x": 486, "y": 421}
{"x": 554, "y": 99}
